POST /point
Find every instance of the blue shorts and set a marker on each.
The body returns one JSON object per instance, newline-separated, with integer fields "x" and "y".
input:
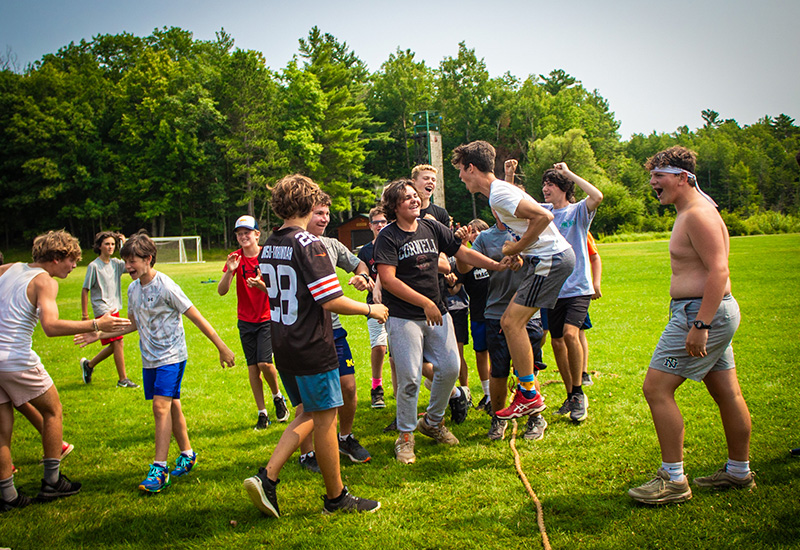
{"x": 346, "y": 363}
{"x": 587, "y": 323}
{"x": 317, "y": 392}
{"x": 545, "y": 318}
{"x": 478, "y": 329}
{"x": 164, "y": 380}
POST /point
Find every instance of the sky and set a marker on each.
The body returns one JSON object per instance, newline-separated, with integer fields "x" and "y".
{"x": 659, "y": 64}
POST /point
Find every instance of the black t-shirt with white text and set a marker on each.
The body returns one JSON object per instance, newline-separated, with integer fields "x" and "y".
{"x": 366, "y": 256}
{"x": 415, "y": 256}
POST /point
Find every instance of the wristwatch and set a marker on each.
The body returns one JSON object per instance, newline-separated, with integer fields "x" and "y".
{"x": 700, "y": 325}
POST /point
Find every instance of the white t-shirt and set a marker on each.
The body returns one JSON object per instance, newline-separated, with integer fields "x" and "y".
{"x": 340, "y": 256}
{"x": 103, "y": 283}
{"x": 504, "y": 199}
{"x": 158, "y": 309}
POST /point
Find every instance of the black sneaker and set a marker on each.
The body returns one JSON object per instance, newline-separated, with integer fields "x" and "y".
{"x": 61, "y": 488}
{"x": 263, "y": 493}
{"x": 459, "y": 406}
{"x": 309, "y": 462}
{"x": 392, "y": 426}
{"x": 263, "y": 422}
{"x": 20, "y": 502}
{"x": 125, "y": 383}
{"x": 86, "y": 371}
{"x": 281, "y": 412}
{"x": 586, "y": 379}
{"x": 485, "y": 405}
{"x": 348, "y": 503}
{"x": 378, "y": 402}
{"x": 352, "y": 448}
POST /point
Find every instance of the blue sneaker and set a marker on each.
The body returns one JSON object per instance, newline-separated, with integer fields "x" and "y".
{"x": 184, "y": 464}
{"x": 157, "y": 478}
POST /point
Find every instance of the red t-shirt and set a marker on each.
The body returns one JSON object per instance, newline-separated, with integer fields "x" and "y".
{"x": 591, "y": 244}
{"x": 253, "y": 304}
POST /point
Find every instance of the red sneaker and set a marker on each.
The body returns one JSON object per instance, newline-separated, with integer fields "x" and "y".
{"x": 522, "y": 406}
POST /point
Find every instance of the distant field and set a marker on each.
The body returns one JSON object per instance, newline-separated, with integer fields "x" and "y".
{"x": 468, "y": 496}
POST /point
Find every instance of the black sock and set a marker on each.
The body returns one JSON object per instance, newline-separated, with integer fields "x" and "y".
{"x": 577, "y": 389}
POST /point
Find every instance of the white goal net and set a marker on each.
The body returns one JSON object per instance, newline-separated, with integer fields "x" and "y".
{"x": 178, "y": 250}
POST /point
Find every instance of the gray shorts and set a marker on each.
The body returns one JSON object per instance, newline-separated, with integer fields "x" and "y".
{"x": 670, "y": 354}
{"x": 544, "y": 279}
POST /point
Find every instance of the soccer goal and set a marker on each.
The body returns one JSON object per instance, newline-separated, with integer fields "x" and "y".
{"x": 179, "y": 250}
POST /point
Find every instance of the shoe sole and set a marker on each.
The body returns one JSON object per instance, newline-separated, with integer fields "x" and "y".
{"x": 329, "y": 512}
{"x": 53, "y": 496}
{"x": 518, "y": 414}
{"x": 725, "y": 485}
{"x": 255, "y": 491}
{"x": 283, "y": 418}
{"x": 379, "y": 405}
{"x": 411, "y": 460}
{"x": 64, "y": 453}
{"x": 154, "y": 491}
{"x": 670, "y": 499}
{"x": 354, "y": 459}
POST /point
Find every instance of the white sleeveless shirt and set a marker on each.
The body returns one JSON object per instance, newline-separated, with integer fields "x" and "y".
{"x": 18, "y": 318}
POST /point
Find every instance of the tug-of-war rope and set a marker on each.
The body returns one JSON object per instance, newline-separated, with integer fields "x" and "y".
{"x": 524, "y": 478}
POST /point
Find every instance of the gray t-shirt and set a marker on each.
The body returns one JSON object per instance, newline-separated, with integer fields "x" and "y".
{"x": 341, "y": 257}
{"x": 158, "y": 309}
{"x": 573, "y": 223}
{"x": 502, "y": 284}
{"x": 104, "y": 286}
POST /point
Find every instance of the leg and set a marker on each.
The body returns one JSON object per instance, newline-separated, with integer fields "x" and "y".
{"x": 49, "y": 406}
{"x": 498, "y": 389}
{"x": 270, "y": 374}
{"x": 6, "y": 428}
{"x": 405, "y": 341}
{"x": 162, "y": 414}
{"x": 441, "y": 347}
{"x": 724, "y": 388}
{"x": 659, "y": 390}
{"x": 119, "y": 358}
{"x": 327, "y": 451}
{"x": 102, "y": 355}
{"x": 574, "y": 353}
{"x": 298, "y": 430}
{"x": 307, "y": 443}
{"x": 562, "y": 362}
{"x": 347, "y": 412}
{"x": 33, "y": 416}
{"x": 482, "y": 364}
{"x": 254, "y": 375}
{"x": 393, "y": 369}
{"x": 179, "y": 429}
{"x": 463, "y": 373}
{"x": 585, "y": 346}
{"x": 513, "y": 323}
{"x": 376, "y": 357}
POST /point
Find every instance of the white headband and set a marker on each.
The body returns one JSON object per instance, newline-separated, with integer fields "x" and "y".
{"x": 678, "y": 171}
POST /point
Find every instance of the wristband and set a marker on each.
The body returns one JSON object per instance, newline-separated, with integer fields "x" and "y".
{"x": 369, "y": 311}
{"x": 366, "y": 277}
{"x": 94, "y": 325}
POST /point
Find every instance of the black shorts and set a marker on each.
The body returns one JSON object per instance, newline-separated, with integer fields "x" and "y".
{"x": 568, "y": 311}
{"x": 256, "y": 342}
{"x": 500, "y": 357}
{"x": 461, "y": 325}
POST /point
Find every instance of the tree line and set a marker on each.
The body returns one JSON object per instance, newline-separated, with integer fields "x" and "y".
{"x": 181, "y": 136}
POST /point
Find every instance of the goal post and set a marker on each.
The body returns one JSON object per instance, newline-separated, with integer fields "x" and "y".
{"x": 179, "y": 250}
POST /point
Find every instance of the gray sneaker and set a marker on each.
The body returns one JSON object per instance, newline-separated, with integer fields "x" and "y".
{"x": 349, "y": 503}
{"x": 586, "y": 379}
{"x": 126, "y": 383}
{"x": 497, "y": 431}
{"x": 404, "y": 448}
{"x": 376, "y": 396}
{"x": 578, "y": 405}
{"x": 660, "y": 490}
{"x": 721, "y": 479}
{"x": 439, "y": 432}
{"x": 536, "y": 426}
{"x": 563, "y": 410}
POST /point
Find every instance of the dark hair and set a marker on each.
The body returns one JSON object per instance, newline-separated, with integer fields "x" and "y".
{"x": 141, "y": 246}
{"x": 677, "y": 156}
{"x": 55, "y": 245}
{"x": 294, "y": 196}
{"x": 563, "y": 182}
{"x": 393, "y": 194}
{"x": 480, "y": 154}
{"x": 323, "y": 199}
{"x": 375, "y": 211}
{"x": 103, "y": 235}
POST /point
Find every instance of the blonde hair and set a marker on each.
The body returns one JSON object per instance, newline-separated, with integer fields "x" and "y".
{"x": 421, "y": 168}
{"x": 55, "y": 245}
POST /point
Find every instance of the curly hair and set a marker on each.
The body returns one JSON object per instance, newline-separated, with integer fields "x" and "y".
{"x": 479, "y": 154}
{"x": 103, "y": 235}
{"x": 393, "y": 194}
{"x": 561, "y": 181}
{"x": 376, "y": 211}
{"x": 677, "y": 156}
{"x": 55, "y": 245}
{"x": 294, "y": 196}
{"x": 141, "y": 246}
{"x": 323, "y": 199}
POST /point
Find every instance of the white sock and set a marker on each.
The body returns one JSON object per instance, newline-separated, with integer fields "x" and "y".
{"x": 162, "y": 463}
{"x": 485, "y": 387}
{"x": 737, "y": 468}
{"x": 274, "y": 395}
{"x": 188, "y": 452}
{"x": 674, "y": 469}
{"x": 343, "y": 437}
{"x": 456, "y": 392}
{"x": 262, "y": 411}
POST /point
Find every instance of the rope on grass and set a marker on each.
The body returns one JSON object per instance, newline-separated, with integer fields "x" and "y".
{"x": 524, "y": 478}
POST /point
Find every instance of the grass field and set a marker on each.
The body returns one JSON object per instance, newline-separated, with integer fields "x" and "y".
{"x": 468, "y": 496}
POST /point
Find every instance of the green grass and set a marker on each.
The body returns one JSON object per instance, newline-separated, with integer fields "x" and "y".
{"x": 463, "y": 497}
